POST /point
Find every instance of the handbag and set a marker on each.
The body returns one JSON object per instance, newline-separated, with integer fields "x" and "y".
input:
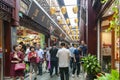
{"x": 19, "y": 66}
{"x": 37, "y": 59}
{"x": 49, "y": 65}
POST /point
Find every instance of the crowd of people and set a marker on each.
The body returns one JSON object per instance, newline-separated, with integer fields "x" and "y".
{"x": 29, "y": 59}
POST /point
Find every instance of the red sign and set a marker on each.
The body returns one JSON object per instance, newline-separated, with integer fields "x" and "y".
{"x": 0, "y": 50}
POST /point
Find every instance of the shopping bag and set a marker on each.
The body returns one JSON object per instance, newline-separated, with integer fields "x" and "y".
{"x": 38, "y": 59}
{"x": 49, "y": 65}
{"x": 20, "y": 66}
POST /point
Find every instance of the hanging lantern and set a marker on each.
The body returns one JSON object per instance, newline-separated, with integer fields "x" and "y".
{"x": 76, "y": 27}
{"x": 63, "y": 10}
{"x": 76, "y": 20}
{"x": 68, "y": 21}
{"x": 75, "y": 9}
{"x": 52, "y": 10}
{"x": 60, "y": 21}
{"x": 70, "y": 27}
{"x": 64, "y": 26}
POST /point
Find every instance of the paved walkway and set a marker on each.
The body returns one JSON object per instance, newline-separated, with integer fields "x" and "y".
{"x": 47, "y": 77}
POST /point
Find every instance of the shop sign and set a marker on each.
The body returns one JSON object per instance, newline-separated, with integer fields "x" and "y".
{"x": 10, "y": 2}
{"x": 1, "y": 55}
{"x": 37, "y": 14}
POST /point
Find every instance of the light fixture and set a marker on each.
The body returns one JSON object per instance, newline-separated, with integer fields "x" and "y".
{"x": 76, "y": 20}
{"x": 68, "y": 21}
{"x": 63, "y": 10}
{"x": 60, "y": 21}
{"x": 76, "y": 27}
{"x": 52, "y": 10}
{"x": 75, "y": 9}
{"x": 70, "y": 26}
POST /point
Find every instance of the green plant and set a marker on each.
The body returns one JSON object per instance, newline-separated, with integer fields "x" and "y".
{"x": 115, "y": 22}
{"x": 91, "y": 64}
{"x": 104, "y": 1}
{"x": 114, "y": 75}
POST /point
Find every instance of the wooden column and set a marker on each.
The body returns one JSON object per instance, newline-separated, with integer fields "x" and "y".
{"x": 7, "y": 43}
{"x": 113, "y": 50}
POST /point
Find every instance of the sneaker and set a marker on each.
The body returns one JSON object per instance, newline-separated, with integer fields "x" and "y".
{"x": 73, "y": 75}
{"x": 78, "y": 75}
{"x": 35, "y": 78}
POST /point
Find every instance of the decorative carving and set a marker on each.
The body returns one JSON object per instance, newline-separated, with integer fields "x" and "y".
{"x": 10, "y": 2}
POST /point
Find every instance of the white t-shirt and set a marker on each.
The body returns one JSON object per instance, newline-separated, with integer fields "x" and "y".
{"x": 40, "y": 53}
{"x": 63, "y": 57}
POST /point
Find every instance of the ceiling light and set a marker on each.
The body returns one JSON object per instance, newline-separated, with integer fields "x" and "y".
{"x": 109, "y": 12}
{"x": 63, "y": 10}
{"x": 75, "y": 9}
{"x": 52, "y": 10}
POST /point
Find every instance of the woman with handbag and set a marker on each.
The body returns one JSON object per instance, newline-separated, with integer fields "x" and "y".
{"x": 17, "y": 65}
{"x": 32, "y": 57}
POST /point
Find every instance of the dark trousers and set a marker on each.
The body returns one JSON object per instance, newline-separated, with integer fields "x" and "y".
{"x": 54, "y": 64}
{"x": 40, "y": 68}
{"x": 64, "y": 73}
{"x": 76, "y": 65}
{"x": 71, "y": 62}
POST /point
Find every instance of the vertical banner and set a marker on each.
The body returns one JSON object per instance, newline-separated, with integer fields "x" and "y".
{"x": 42, "y": 41}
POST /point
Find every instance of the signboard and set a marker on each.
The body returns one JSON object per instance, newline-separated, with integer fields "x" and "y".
{"x": 1, "y": 55}
{"x": 37, "y": 14}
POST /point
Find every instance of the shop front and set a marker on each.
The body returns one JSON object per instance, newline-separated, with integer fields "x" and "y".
{"x": 110, "y": 43}
{"x": 30, "y": 37}
{"x": 7, "y": 19}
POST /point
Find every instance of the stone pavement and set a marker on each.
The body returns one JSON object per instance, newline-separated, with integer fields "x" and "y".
{"x": 46, "y": 76}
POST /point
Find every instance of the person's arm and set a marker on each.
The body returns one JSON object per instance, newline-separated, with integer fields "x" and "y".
{"x": 74, "y": 55}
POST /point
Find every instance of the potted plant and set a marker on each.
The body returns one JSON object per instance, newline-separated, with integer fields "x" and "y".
{"x": 114, "y": 75}
{"x": 91, "y": 66}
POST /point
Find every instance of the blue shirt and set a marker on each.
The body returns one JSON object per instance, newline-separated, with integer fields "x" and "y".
{"x": 77, "y": 54}
{"x": 72, "y": 51}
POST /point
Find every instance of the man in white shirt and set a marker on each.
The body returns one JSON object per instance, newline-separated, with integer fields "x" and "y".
{"x": 40, "y": 54}
{"x": 63, "y": 59}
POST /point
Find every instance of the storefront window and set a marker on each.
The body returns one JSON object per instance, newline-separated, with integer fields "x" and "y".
{"x": 106, "y": 51}
{"x": 31, "y": 37}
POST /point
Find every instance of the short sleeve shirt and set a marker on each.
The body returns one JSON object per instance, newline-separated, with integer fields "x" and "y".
{"x": 63, "y": 57}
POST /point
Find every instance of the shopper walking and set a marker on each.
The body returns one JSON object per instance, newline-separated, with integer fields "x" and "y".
{"x": 76, "y": 64}
{"x": 83, "y": 46}
{"x": 64, "y": 58}
{"x": 16, "y": 57}
{"x": 40, "y": 54}
{"x": 32, "y": 57}
{"x": 48, "y": 59}
{"x": 72, "y": 48}
{"x": 53, "y": 60}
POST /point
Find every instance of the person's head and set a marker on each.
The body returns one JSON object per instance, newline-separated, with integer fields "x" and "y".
{"x": 28, "y": 46}
{"x": 21, "y": 43}
{"x": 82, "y": 42}
{"x": 32, "y": 48}
{"x": 54, "y": 45}
{"x": 72, "y": 45}
{"x": 62, "y": 44}
{"x": 38, "y": 46}
{"x": 19, "y": 46}
{"x": 15, "y": 48}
